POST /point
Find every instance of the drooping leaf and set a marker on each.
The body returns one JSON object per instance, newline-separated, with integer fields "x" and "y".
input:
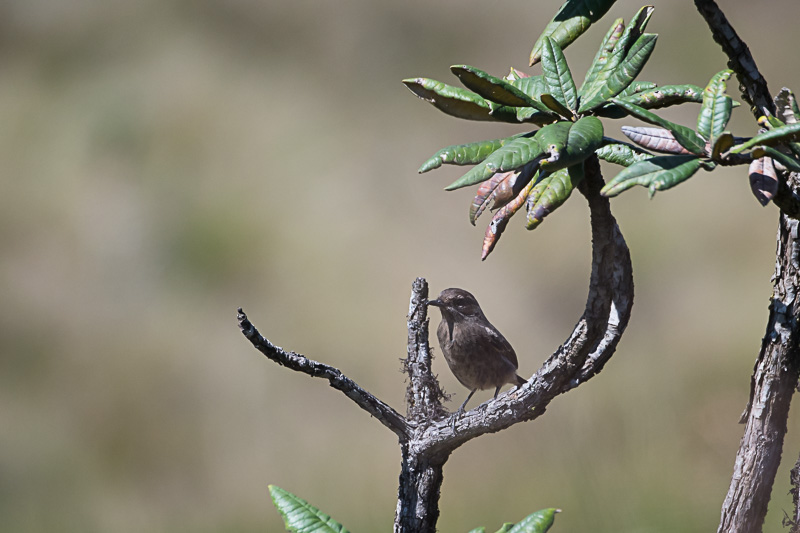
{"x": 716, "y": 108}
{"x": 603, "y": 53}
{"x": 665, "y": 96}
{"x": 465, "y": 154}
{"x": 505, "y": 528}
{"x": 685, "y": 136}
{"x": 574, "y": 18}
{"x": 763, "y": 180}
{"x": 300, "y": 516}
{"x": 568, "y": 143}
{"x": 787, "y": 161}
{"x": 500, "y": 189}
{"x": 538, "y": 522}
{"x": 789, "y": 132}
{"x": 657, "y": 174}
{"x": 623, "y": 74}
{"x": 786, "y": 104}
{"x": 656, "y": 139}
{"x": 492, "y": 88}
{"x": 557, "y": 75}
{"x": 458, "y": 102}
{"x": 511, "y": 156}
{"x": 621, "y": 154}
{"x": 598, "y": 80}
{"x": 544, "y": 200}
{"x": 501, "y": 218}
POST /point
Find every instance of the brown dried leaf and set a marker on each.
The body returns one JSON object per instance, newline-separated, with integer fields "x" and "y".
{"x": 763, "y": 180}
{"x": 501, "y": 218}
{"x": 488, "y": 191}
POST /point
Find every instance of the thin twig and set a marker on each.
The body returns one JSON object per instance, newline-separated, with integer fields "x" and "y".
{"x": 381, "y": 411}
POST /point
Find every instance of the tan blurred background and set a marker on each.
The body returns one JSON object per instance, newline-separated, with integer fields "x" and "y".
{"x": 167, "y": 162}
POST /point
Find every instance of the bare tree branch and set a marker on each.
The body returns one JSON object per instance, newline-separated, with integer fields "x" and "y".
{"x": 794, "y": 478}
{"x": 752, "y": 84}
{"x": 385, "y": 414}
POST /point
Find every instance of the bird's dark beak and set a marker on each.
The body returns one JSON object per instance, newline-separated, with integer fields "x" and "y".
{"x": 436, "y": 303}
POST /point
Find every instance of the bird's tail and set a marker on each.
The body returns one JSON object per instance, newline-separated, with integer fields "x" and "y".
{"x": 521, "y": 380}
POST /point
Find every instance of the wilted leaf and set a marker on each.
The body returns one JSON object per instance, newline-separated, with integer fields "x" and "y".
{"x": 723, "y": 143}
{"x": 763, "y": 180}
{"x": 465, "y": 154}
{"x": 300, "y": 516}
{"x": 656, "y": 139}
{"x": 499, "y": 190}
{"x": 657, "y": 174}
{"x": 458, "y": 102}
{"x": 574, "y": 18}
{"x": 786, "y": 104}
{"x": 685, "y": 136}
{"x": 716, "y": 109}
{"x": 557, "y": 75}
{"x": 500, "y": 220}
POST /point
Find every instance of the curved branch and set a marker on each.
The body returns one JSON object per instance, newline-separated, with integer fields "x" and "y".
{"x": 385, "y": 414}
{"x": 584, "y": 353}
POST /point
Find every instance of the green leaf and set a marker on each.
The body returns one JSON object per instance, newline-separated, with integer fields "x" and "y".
{"x": 465, "y": 154}
{"x": 492, "y": 88}
{"x": 603, "y": 53}
{"x": 568, "y": 143}
{"x": 599, "y": 79}
{"x": 637, "y": 87}
{"x": 478, "y": 530}
{"x": 534, "y": 87}
{"x": 511, "y": 156}
{"x": 716, "y": 109}
{"x": 557, "y": 75}
{"x": 785, "y": 133}
{"x": 665, "y": 96}
{"x": 786, "y": 160}
{"x": 506, "y": 527}
{"x": 538, "y": 522}
{"x": 621, "y": 154}
{"x": 685, "y": 136}
{"x": 556, "y": 106}
{"x": 574, "y": 18}
{"x": 550, "y": 193}
{"x": 458, "y": 102}
{"x": 622, "y": 75}
{"x": 300, "y": 516}
{"x": 657, "y": 174}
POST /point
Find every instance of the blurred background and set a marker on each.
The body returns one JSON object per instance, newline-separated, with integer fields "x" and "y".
{"x": 167, "y": 162}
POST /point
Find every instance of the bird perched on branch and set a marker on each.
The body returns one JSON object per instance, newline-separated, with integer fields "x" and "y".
{"x": 477, "y": 354}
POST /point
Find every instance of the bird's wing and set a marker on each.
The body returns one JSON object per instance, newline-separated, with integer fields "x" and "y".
{"x": 497, "y": 344}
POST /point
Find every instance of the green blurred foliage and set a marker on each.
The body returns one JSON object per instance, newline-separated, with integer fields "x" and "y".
{"x": 166, "y": 162}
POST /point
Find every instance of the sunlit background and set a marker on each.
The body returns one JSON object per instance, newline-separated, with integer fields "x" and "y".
{"x": 166, "y": 162}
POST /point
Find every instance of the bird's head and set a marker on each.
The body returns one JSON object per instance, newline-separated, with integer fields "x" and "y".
{"x": 457, "y": 302}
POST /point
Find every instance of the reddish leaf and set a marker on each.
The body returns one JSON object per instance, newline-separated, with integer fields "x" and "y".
{"x": 488, "y": 191}
{"x": 501, "y": 218}
{"x": 763, "y": 180}
{"x": 656, "y": 139}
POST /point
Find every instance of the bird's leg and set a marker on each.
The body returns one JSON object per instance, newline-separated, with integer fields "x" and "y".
{"x": 461, "y": 409}
{"x": 496, "y": 391}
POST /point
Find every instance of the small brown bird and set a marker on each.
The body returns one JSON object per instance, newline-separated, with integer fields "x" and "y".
{"x": 477, "y": 354}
